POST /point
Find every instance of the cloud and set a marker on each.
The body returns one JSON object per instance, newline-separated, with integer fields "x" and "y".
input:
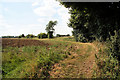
{"x": 17, "y": 29}
{"x": 35, "y": 3}
{"x": 51, "y": 10}
{"x": 45, "y": 10}
{"x": 3, "y": 26}
{"x": 6, "y": 9}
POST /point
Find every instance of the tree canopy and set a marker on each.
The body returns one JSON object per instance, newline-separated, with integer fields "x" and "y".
{"x": 50, "y": 26}
{"x": 95, "y": 19}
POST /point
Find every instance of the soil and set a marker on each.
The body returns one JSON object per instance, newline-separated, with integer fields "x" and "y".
{"x": 79, "y": 66}
{"x": 22, "y": 42}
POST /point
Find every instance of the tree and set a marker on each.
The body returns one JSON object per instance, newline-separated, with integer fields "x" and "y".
{"x": 50, "y": 28}
{"x": 94, "y": 20}
{"x": 30, "y": 36}
{"x": 22, "y": 35}
{"x": 42, "y": 35}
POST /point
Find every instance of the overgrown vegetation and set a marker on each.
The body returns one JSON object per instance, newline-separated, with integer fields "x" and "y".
{"x": 98, "y": 21}
{"x": 90, "y": 22}
{"x": 108, "y": 60}
{"x": 32, "y": 61}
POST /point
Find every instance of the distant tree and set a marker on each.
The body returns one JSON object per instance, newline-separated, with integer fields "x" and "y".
{"x": 22, "y": 35}
{"x": 57, "y": 35}
{"x": 19, "y": 36}
{"x": 42, "y": 35}
{"x": 68, "y": 35}
{"x": 30, "y": 36}
{"x": 50, "y": 28}
{"x": 7, "y": 36}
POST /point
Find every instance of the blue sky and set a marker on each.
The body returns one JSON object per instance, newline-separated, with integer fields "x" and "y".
{"x": 31, "y": 17}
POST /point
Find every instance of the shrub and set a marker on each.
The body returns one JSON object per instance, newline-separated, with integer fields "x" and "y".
{"x": 115, "y": 45}
{"x": 42, "y": 35}
{"x": 68, "y": 35}
{"x": 81, "y": 38}
{"x": 19, "y": 37}
{"x": 58, "y": 35}
{"x": 7, "y": 36}
{"x": 109, "y": 64}
{"x": 30, "y": 36}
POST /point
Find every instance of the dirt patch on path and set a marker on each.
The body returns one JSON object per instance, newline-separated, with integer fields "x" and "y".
{"x": 79, "y": 66}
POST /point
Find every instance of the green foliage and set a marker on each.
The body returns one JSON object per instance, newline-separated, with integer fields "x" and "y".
{"x": 8, "y": 37}
{"x": 31, "y": 61}
{"x": 93, "y": 19}
{"x": 22, "y": 36}
{"x": 50, "y": 34}
{"x": 72, "y": 33}
{"x": 30, "y": 36}
{"x": 50, "y": 26}
{"x": 108, "y": 63}
{"x": 58, "y": 35}
{"x": 115, "y": 45}
{"x": 42, "y": 35}
{"x": 81, "y": 38}
{"x": 108, "y": 66}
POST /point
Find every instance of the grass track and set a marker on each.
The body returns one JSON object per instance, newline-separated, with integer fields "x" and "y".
{"x": 71, "y": 59}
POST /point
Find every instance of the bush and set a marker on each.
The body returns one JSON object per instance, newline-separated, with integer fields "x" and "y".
{"x": 30, "y": 36}
{"x": 108, "y": 66}
{"x": 109, "y": 63}
{"x": 58, "y": 35}
{"x": 42, "y": 35}
{"x": 115, "y": 45}
{"x": 7, "y": 36}
{"x": 81, "y": 38}
{"x": 68, "y": 35}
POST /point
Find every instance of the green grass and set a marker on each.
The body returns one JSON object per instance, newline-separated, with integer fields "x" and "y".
{"x": 32, "y": 61}
{"x": 37, "y": 61}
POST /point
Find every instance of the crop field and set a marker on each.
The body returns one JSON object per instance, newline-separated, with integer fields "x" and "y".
{"x": 47, "y": 58}
{"x": 21, "y": 42}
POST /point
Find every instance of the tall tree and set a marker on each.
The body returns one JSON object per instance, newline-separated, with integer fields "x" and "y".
{"x": 94, "y": 19}
{"x": 50, "y": 28}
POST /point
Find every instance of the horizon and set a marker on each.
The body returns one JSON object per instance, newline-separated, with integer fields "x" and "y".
{"x": 31, "y": 17}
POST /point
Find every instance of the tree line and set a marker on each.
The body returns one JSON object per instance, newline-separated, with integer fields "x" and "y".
{"x": 49, "y": 29}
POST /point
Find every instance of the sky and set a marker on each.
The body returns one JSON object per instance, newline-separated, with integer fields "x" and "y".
{"x": 31, "y": 17}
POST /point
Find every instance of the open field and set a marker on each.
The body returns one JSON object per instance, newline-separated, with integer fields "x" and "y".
{"x": 54, "y": 58}
{"x": 21, "y": 42}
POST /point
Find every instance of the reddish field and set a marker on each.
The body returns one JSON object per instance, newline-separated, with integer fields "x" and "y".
{"x": 21, "y": 42}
